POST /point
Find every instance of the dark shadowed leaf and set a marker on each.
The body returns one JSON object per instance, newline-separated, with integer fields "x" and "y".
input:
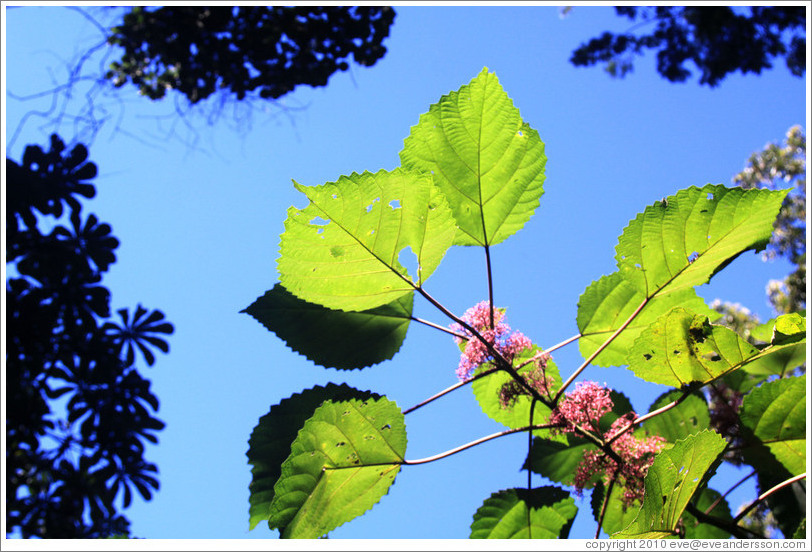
{"x": 333, "y": 338}
{"x": 540, "y": 513}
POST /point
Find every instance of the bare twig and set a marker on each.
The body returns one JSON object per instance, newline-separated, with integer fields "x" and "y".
{"x": 767, "y": 493}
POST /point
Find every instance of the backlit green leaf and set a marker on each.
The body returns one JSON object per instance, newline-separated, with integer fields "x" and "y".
{"x": 667, "y": 250}
{"x": 541, "y": 513}
{"x": 487, "y": 161}
{"x": 792, "y": 337}
{"x": 682, "y": 241}
{"x": 775, "y": 412}
{"x": 608, "y": 302}
{"x": 681, "y": 347}
{"x": 270, "y": 441}
{"x": 341, "y": 463}
{"x": 342, "y": 251}
{"x": 672, "y": 480}
{"x": 334, "y": 338}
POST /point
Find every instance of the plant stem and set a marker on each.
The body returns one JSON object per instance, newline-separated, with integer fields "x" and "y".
{"x": 490, "y": 279}
{"x": 767, "y": 493}
{"x": 726, "y": 525}
{"x": 605, "y": 506}
{"x": 529, "y": 448}
{"x": 439, "y": 327}
{"x": 640, "y": 419}
{"x": 548, "y": 351}
{"x": 474, "y": 443}
{"x": 599, "y": 349}
{"x": 450, "y": 389}
{"x": 730, "y": 490}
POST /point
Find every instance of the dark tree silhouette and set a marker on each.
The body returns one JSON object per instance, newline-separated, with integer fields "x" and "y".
{"x": 199, "y": 50}
{"x": 78, "y": 411}
{"x": 719, "y": 40}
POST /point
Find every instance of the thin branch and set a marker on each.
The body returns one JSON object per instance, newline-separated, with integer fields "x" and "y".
{"x": 447, "y": 453}
{"x": 730, "y": 490}
{"x": 605, "y": 505}
{"x": 473, "y": 444}
{"x": 548, "y": 351}
{"x": 605, "y": 344}
{"x": 640, "y": 419}
{"x": 490, "y": 278}
{"x": 450, "y": 389}
{"x": 726, "y": 525}
{"x": 767, "y": 493}
{"x": 439, "y": 327}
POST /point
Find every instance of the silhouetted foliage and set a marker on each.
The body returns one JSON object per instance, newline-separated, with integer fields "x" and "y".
{"x": 78, "y": 411}
{"x": 718, "y": 39}
{"x": 198, "y": 50}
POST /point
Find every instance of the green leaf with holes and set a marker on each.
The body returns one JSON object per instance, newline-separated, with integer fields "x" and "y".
{"x": 487, "y": 161}
{"x": 540, "y": 513}
{"x": 334, "y": 338}
{"x": 343, "y": 460}
{"x": 683, "y": 241}
{"x": 672, "y": 480}
{"x": 343, "y": 250}
{"x": 682, "y": 347}
{"x": 271, "y": 439}
{"x": 775, "y": 413}
{"x": 667, "y": 250}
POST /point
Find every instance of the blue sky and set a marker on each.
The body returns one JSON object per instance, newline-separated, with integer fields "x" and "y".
{"x": 200, "y": 224}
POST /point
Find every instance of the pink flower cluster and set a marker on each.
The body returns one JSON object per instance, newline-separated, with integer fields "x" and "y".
{"x": 476, "y": 353}
{"x": 584, "y": 407}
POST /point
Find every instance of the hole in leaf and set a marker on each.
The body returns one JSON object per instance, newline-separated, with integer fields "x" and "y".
{"x": 710, "y": 197}
{"x": 335, "y": 196}
{"x": 408, "y": 260}
{"x": 394, "y": 204}
{"x": 371, "y": 205}
{"x": 647, "y": 356}
{"x": 387, "y": 426}
{"x": 340, "y": 444}
{"x": 319, "y": 221}
{"x": 693, "y": 256}
{"x": 677, "y": 351}
{"x": 519, "y": 133}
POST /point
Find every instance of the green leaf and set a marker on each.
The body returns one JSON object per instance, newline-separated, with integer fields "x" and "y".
{"x": 618, "y": 516}
{"x": 683, "y": 241}
{"x": 486, "y": 390}
{"x": 555, "y": 460}
{"x": 271, "y": 439}
{"x": 608, "y": 302}
{"x": 541, "y": 513}
{"x": 689, "y": 416}
{"x": 342, "y": 462}
{"x": 792, "y": 338}
{"x": 334, "y": 338}
{"x": 342, "y": 250}
{"x": 681, "y": 347}
{"x": 673, "y": 246}
{"x": 775, "y": 412}
{"x": 672, "y": 480}
{"x": 487, "y": 161}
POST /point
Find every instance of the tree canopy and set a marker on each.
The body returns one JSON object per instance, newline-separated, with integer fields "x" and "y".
{"x": 718, "y": 40}
{"x": 199, "y": 50}
{"x": 78, "y": 411}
